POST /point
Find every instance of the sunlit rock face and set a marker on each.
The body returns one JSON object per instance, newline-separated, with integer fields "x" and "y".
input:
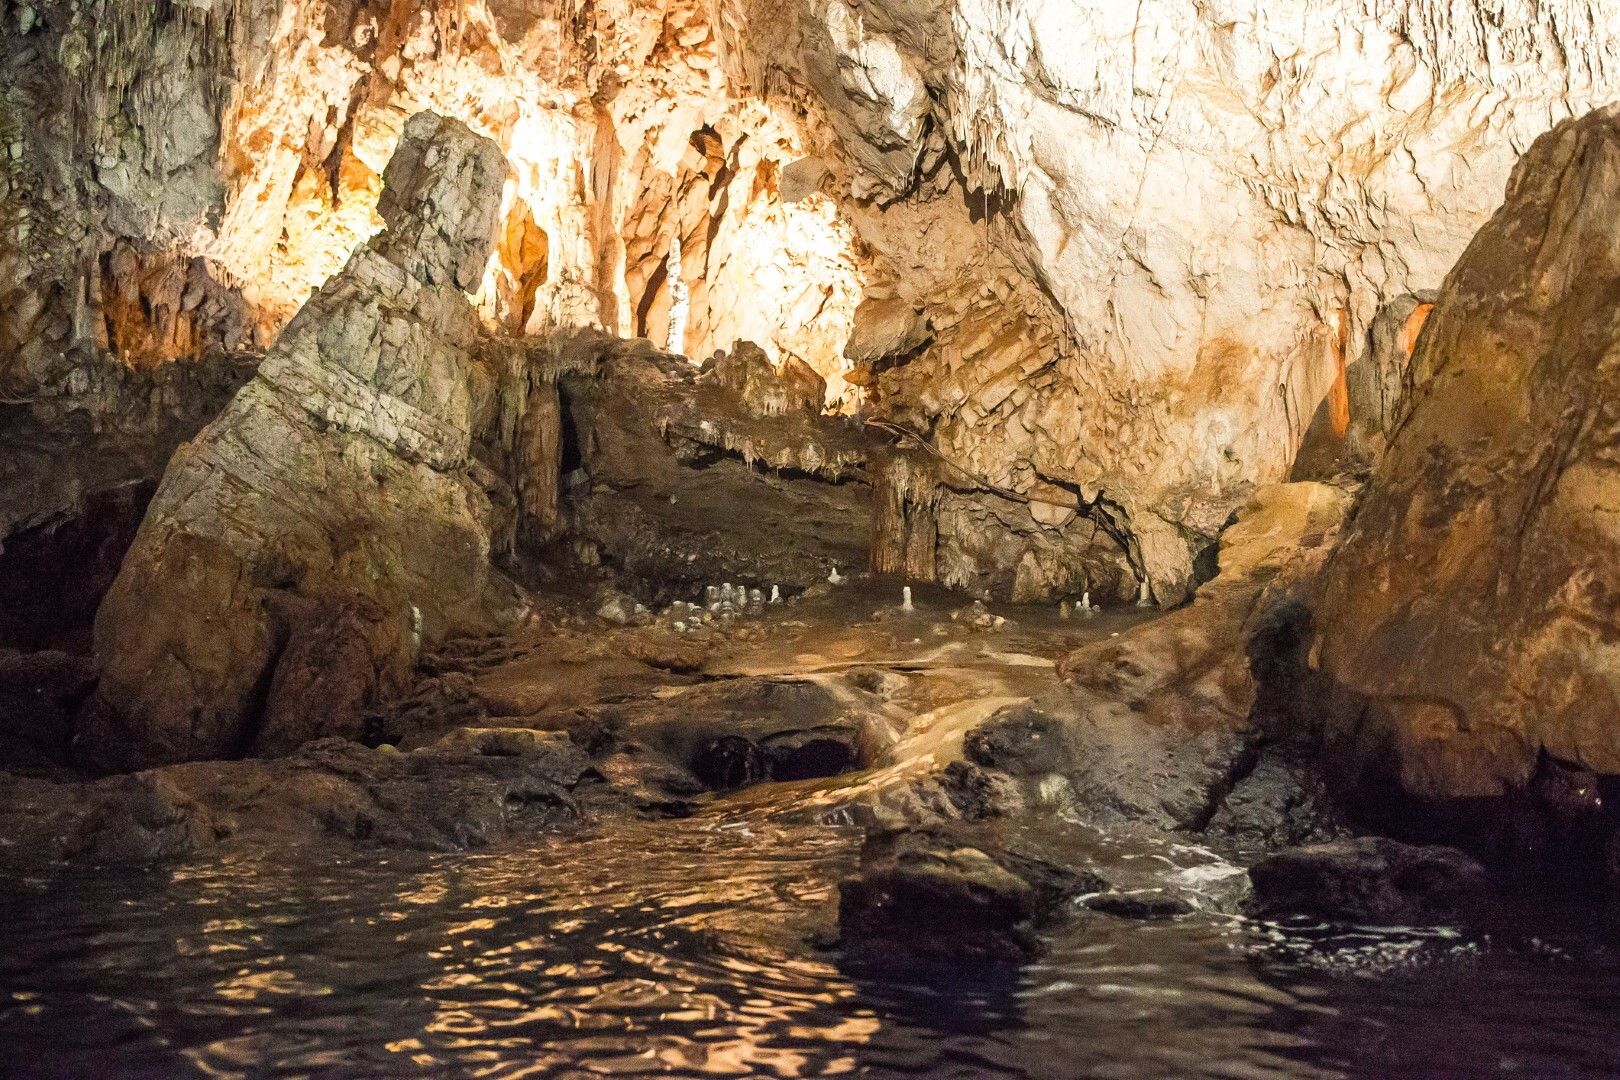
{"x": 1467, "y": 625}
{"x": 1213, "y": 200}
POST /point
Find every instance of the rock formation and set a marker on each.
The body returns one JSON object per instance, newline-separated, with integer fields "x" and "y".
{"x": 338, "y": 480}
{"x": 1147, "y": 237}
{"x": 1167, "y": 725}
{"x": 1465, "y": 627}
{"x": 685, "y": 479}
{"x": 1109, "y": 263}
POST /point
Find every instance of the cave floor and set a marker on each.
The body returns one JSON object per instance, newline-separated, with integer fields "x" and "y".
{"x": 698, "y": 936}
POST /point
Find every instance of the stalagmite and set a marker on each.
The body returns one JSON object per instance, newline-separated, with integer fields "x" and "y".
{"x": 905, "y": 599}
{"x": 679, "y": 299}
{"x": 1144, "y": 598}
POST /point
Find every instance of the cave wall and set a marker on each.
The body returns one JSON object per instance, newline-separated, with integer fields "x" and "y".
{"x": 234, "y": 147}
{"x": 1107, "y": 260}
{"x": 1200, "y": 206}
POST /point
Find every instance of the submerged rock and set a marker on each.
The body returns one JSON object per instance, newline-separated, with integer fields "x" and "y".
{"x": 1146, "y": 906}
{"x": 1368, "y": 879}
{"x": 946, "y": 895}
{"x": 342, "y": 470}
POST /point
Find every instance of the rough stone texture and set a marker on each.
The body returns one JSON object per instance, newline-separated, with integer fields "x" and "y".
{"x": 764, "y": 389}
{"x": 101, "y": 427}
{"x": 951, "y": 894}
{"x": 1192, "y": 669}
{"x": 1216, "y": 199}
{"x": 684, "y": 481}
{"x": 343, "y": 468}
{"x": 455, "y": 796}
{"x": 1164, "y": 726}
{"x": 1110, "y": 259}
{"x": 1368, "y": 879}
{"x": 1466, "y": 625}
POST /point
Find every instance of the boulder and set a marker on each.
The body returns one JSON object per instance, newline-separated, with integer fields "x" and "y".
{"x": 342, "y": 469}
{"x": 1112, "y": 768}
{"x": 1368, "y": 879}
{"x": 1468, "y": 626}
{"x": 947, "y": 894}
{"x": 472, "y": 789}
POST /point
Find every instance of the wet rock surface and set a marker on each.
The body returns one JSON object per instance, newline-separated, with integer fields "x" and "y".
{"x": 464, "y": 793}
{"x": 1368, "y": 879}
{"x": 945, "y": 894}
{"x": 1161, "y": 725}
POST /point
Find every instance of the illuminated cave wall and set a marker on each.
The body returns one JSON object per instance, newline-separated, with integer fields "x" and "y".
{"x": 1198, "y": 209}
{"x": 622, "y": 132}
{"x": 235, "y": 147}
{"x": 1100, "y": 253}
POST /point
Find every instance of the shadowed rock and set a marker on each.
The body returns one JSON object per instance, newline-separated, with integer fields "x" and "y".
{"x": 1368, "y": 880}
{"x": 467, "y": 791}
{"x": 944, "y": 894}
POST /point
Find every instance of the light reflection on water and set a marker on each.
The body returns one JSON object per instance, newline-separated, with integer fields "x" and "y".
{"x": 696, "y": 948}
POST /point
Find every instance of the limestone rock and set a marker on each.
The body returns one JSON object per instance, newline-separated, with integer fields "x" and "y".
{"x": 695, "y": 480}
{"x": 1367, "y": 880}
{"x": 1192, "y": 667}
{"x": 1162, "y": 720}
{"x": 880, "y": 92}
{"x": 1466, "y": 626}
{"x": 342, "y": 469}
{"x": 950, "y": 894}
{"x": 1182, "y": 218}
{"x": 885, "y": 327}
{"x": 763, "y": 388}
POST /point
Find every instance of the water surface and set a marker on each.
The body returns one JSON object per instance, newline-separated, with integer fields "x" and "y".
{"x": 698, "y": 948}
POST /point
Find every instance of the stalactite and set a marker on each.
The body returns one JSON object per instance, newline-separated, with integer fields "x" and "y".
{"x": 539, "y": 463}
{"x": 905, "y": 528}
{"x": 679, "y": 299}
